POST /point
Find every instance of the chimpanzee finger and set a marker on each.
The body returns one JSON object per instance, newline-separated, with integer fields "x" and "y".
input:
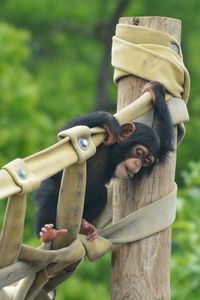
{"x": 154, "y": 88}
{"x": 91, "y": 237}
{"x": 43, "y": 229}
{"x": 93, "y": 234}
{"x": 148, "y": 88}
{"x": 48, "y": 226}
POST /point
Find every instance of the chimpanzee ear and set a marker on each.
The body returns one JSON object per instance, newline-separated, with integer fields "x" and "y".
{"x": 126, "y": 130}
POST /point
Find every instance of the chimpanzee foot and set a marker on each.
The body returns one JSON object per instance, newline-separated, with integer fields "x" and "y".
{"x": 48, "y": 233}
{"x": 88, "y": 229}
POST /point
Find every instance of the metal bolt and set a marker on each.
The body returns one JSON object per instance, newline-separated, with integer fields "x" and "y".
{"x": 175, "y": 48}
{"x": 83, "y": 143}
{"x": 21, "y": 173}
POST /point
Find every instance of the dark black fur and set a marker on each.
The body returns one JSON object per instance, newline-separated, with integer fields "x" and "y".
{"x": 101, "y": 167}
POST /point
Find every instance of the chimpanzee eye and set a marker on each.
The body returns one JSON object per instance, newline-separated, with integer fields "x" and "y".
{"x": 139, "y": 152}
{"x": 148, "y": 161}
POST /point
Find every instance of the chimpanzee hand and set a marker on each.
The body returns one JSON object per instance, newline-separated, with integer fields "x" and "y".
{"x": 112, "y": 127}
{"x": 48, "y": 233}
{"x": 88, "y": 229}
{"x": 99, "y": 119}
{"x": 155, "y": 88}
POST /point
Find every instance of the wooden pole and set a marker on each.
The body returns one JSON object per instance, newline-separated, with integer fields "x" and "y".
{"x": 141, "y": 270}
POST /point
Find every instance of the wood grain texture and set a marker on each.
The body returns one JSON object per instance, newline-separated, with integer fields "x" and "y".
{"x": 141, "y": 270}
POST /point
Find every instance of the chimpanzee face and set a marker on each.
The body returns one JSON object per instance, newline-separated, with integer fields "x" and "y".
{"x": 139, "y": 157}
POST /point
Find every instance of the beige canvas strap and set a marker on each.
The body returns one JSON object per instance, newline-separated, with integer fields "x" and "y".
{"x": 12, "y": 230}
{"x": 144, "y": 222}
{"x": 151, "y": 55}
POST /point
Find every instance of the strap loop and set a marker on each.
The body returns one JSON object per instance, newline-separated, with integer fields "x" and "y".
{"x": 22, "y": 176}
{"x": 80, "y": 137}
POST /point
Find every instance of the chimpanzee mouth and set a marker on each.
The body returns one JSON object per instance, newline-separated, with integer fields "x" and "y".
{"x": 129, "y": 173}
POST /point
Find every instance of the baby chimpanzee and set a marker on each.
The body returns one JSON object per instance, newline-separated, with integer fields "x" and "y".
{"x": 129, "y": 151}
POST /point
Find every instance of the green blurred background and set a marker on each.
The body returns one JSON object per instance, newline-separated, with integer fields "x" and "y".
{"x": 55, "y": 64}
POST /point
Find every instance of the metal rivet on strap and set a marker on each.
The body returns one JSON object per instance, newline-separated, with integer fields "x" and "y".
{"x": 175, "y": 47}
{"x": 21, "y": 173}
{"x": 83, "y": 143}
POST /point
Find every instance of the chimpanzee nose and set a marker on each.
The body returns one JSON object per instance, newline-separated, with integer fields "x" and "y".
{"x": 135, "y": 165}
{"x": 138, "y": 165}
{"x": 138, "y": 162}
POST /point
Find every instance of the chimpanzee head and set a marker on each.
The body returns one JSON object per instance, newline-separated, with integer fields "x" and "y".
{"x": 138, "y": 151}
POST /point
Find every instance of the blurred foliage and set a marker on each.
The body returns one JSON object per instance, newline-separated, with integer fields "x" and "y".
{"x": 50, "y": 56}
{"x": 185, "y": 276}
{"x": 20, "y": 118}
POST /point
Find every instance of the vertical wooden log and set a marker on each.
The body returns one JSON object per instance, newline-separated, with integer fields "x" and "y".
{"x": 141, "y": 270}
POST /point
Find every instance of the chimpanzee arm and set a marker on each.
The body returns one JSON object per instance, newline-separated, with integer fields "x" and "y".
{"x": 163, "y": 122}
{"x": 163, "y": 118}
{"x": 96, "y": 119}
